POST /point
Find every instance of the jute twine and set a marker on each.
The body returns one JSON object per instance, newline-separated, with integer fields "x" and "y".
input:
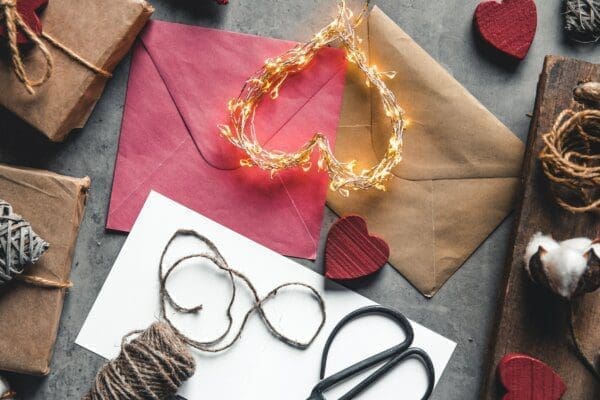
{"x": 14, "y": 22}
{"x": 582, "y": 20}
{"x": 154, "y": 365}
{"x": 571, "y": 154}
{"x": 214, "y": 256}
{"x": 150, "y": 367}
{"x": 20, "y": 246}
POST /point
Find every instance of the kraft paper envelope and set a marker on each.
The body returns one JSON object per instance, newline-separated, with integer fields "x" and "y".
{"x": 181, "y": 80}
{"x": 460, "y": 170}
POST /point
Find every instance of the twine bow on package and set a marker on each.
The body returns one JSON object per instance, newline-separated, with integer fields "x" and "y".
{"x": 57, "y": 56}
{"x": 40, "y": 216}
{"x": 19, "y": 244}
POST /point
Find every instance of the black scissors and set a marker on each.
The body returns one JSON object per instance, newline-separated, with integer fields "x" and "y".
{"x": 392, "y": 357}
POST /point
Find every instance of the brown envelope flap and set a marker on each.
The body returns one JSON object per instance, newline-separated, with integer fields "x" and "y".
{"x": 432, "y": 226}
{"x": 460, "y": 169}
{"x": 451, "y": 135}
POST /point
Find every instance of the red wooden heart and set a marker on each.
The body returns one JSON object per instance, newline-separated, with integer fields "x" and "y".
{"x": 28, "y": 10}
{"x": 527, "y": 378}
{"x": 509, "y": 26}
{"x": 350, "y": 252}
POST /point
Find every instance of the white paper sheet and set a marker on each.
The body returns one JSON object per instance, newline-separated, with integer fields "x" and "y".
{"x": 258, "y": 366}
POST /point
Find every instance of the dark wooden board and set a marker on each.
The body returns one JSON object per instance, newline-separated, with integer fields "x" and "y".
{"x": 529, "y": 319}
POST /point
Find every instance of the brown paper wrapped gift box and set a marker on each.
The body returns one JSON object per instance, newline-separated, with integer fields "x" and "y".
{"x": 29, "y": 315}
{"x": 101, "y": 32}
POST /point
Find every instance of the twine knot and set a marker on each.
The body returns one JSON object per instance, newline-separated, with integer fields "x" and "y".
{"x": 13, "y": 22}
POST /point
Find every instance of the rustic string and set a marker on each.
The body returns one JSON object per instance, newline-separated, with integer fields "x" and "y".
{"x": 150, "y": 367}
{"x": 571, "y": 154}
{"x": 20, "y": 246}
{"x": 155, "y": 364}
{"x": 215, "y": 257}
{"x": 14, "y": 22}
{"x": 582, "y": 20}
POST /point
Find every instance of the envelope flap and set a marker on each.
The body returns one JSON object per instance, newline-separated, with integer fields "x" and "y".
{"x": 432, "y": 226}
{"x": 453, "y": 188}
{"x": 191, "y": 62}
{"x": 451, "y": 135}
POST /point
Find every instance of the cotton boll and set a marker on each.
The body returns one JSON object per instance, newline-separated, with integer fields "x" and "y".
{"x": 578, "y": 244}
{"x": 569, "y": 268}
{"x": 596, "y": 247}
{"x": 539, "y": 240}
{"x": 565, "y": 267}
{"x": 5, "y": 392}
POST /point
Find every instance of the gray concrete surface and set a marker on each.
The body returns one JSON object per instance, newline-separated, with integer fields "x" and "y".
{"x": 464, "y": 308}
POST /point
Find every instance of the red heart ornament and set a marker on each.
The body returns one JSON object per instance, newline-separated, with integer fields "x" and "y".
{"x": 28, "y": 10}
{"x": 350, "y": 252}
{"x": 509, "y": 25}
{"x": 527, "y": 378}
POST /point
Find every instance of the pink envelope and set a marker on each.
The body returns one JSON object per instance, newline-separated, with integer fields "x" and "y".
{"x": 180, "y": 82}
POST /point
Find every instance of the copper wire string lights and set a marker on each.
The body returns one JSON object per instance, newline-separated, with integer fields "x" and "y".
{"x": 269, "y": 79}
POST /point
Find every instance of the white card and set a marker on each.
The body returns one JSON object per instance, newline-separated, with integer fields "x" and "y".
{"x": 258, "y": 366}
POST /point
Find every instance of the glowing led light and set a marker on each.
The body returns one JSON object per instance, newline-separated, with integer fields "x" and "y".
{"x": 270, "y": 79}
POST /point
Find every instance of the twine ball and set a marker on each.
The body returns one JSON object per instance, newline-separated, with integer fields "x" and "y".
{"x": 19, "y": 244}
{"x": 150, "y": 367}
{"x": 582, "y": 20}
{"x": 571, "y": 154}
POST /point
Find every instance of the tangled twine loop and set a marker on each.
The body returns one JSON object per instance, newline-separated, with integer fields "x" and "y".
{"x": 571, "y": 154}
{"x": 14, "y": 22}
{"x": 214, "y": 256}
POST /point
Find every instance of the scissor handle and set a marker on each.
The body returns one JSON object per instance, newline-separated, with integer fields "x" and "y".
{"x": 412, "y": 352}
{"x": 394, "y": 354}
{"x": 373, "y": 360}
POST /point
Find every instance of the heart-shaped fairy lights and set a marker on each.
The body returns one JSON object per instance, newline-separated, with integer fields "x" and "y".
{"x": 270, "y": 79}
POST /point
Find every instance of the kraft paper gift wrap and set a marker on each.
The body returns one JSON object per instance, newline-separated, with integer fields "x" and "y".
{"x": 100, "y": 32}
{"x": 181, "y": 79}
{"x": 29, "y": 316}
{"x": 461, "y": 165}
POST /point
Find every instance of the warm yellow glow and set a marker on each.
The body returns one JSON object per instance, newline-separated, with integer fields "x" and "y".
{"x": 272, "y": 76}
